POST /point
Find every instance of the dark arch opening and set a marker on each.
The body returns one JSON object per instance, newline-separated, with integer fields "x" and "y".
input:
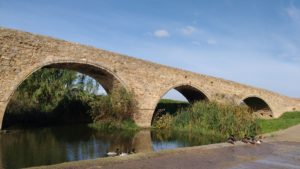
{"x": 172, "y": 105}
{"x": 258, "y": 106}
{"x": 107, "y": 83}
{"x": 191, "y": 93}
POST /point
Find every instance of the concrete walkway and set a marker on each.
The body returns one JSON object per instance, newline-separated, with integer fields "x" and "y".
{"x": 281, "y": 150}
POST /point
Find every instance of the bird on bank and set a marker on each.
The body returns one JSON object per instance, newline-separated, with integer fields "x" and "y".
{"x": 128, "y": 152}
{"x": 252, "y": 141}
{"x": 123, "y": 154}
{"x": 259, "y": 140}
{"x": 231, "y": 139}
{"x": 245, "y": 139}
{"x": 115, "y": 153}
{"x": 255, "y": 141}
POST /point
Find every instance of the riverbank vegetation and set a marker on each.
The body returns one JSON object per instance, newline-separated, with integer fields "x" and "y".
{"x": 221, "y": 120}
{"x": 212, "y": 118}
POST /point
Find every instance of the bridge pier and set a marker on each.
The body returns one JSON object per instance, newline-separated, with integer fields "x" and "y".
{"x": 143, "y": 117}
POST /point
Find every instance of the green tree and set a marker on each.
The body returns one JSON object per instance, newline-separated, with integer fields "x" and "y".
{"x": 44, "y": 89}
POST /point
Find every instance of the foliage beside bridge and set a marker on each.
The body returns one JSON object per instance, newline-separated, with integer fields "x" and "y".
{"x": 211, "y": 117}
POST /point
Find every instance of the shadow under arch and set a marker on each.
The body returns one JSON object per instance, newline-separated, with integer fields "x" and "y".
{"x": 105, "y": 77}
{"x": 258, "y": 106}
{"x": 191, "y": 93}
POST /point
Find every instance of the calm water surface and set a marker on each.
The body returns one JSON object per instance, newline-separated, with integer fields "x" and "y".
{"x": 44, "y": 146}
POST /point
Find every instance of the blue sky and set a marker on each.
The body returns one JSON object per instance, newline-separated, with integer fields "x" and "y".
{"x": 255, "y": 42}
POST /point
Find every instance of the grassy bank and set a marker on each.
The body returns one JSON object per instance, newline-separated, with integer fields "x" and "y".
{"x": 288, "y": 119}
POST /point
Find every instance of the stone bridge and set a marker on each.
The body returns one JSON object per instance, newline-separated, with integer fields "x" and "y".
{"x": 23, "y": 53}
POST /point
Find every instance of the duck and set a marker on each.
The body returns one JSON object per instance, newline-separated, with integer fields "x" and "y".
{"x": 124, "y": 154}
{"x": 111, "y": 154}
{"x": 252, "y": 141}
{"x": 245, "y": 139}
{"x": 231, "y": 139}
{"x": 258, "y": 141}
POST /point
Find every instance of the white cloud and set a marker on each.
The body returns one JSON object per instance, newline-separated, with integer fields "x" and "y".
{"x": 288, "y": 50}
{"x": 293, "y": 13}
{"x": 188, "y": 30}
{"x": 161, "y": 33}
{"x": 211, "y": 41}
{"x": 196, "y": 43}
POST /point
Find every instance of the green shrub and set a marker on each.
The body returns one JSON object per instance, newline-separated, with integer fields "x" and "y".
{"x": 164, "y": 122}
{"x": 212, "y": 117}
{"x": 119, "y": 105}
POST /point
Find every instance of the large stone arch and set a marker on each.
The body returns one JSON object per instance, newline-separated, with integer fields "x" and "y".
{"x": 107, "y": 78}
{"x": 191, "y": 92}
{"x": 258, "y": 105}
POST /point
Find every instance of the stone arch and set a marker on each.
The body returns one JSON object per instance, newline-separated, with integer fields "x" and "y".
{"x": 190, "y": 92}
{"x": 258, "y": 106}
{"x": 107, "y": 78}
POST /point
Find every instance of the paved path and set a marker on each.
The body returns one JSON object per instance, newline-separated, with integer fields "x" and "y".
{"x": 274, "y": 155}
{"x": 281, "y": 151}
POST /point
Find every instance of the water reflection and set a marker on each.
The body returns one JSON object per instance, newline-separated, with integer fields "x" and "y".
{"x": 142, "y": 141}
{"x": 44, "y": 146}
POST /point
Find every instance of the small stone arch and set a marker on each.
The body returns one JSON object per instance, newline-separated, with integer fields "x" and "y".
{"x": 258, "y": 106}
{"x": 187, "y": 91}
{"x": 107, "y": 78}
{"x": 190, "y": 92}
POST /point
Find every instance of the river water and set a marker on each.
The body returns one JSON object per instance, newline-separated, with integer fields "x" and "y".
{"x": 50, "y": 145}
